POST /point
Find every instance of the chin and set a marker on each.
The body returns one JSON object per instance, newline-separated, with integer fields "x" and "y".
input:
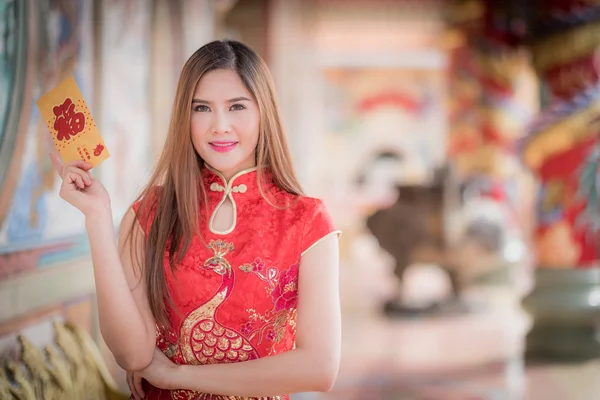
{"x": 226, "y": 166}
{"x": 234, "y": 161}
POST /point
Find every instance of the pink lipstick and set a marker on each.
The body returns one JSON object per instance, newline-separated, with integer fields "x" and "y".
{"x": 223, "y": 146}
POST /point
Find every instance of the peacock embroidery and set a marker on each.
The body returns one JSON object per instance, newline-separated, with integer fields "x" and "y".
{"x": 202, "y": 339}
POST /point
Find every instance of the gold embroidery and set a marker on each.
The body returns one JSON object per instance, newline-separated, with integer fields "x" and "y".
{"x": 237, "y": 343}
{"x": 208, "y": 351}
{"x": 289, "y": 287}
{"x": 189, "y": 395}
{"x": 206, "y": 326}
{"x": 292, "y": 321}
{"x": 219, "y": 330}
{"x": 230, "y": 334}
{"x": 199, "y": 335}
{"x": 222, "y": 344}
{"x": 211, "y": 340}
{"x": 246, "y": 267}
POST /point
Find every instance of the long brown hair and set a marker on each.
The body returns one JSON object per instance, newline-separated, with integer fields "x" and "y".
{"x": 173, "y": 194}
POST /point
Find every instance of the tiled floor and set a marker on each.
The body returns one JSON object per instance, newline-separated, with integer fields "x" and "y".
{"x": 473, "y": 356}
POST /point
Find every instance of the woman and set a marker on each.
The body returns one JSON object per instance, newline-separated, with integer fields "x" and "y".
{"x": 224, "y": 283}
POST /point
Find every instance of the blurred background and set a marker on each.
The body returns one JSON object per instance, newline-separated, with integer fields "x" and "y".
{"x": 454, "y": 142}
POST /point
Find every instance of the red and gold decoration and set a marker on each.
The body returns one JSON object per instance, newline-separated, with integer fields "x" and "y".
{"x": 562, "y": 151}
{"x": 492, "y": 99}
{"x": 558, "y": 151}
{"x": 562, "y": 142}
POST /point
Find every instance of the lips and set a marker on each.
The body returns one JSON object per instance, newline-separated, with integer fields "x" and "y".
{"x": 223, "y": 146}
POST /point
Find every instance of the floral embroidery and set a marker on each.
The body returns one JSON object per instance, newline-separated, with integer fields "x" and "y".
{"x": 283, "y": 289}
{"x": 257, "y": 267}
{"x": 285, "y": 294}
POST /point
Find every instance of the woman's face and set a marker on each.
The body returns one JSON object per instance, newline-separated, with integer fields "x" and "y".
{"x": 224, "y": 122}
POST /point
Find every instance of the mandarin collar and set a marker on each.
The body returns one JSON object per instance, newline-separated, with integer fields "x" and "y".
{"x": 243, "y": 182}
{"x": 241, "y": 186}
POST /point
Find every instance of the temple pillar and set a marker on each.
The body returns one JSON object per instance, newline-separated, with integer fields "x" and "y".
{"x": 562, "y": 150}
{"x": 493, "y": 98}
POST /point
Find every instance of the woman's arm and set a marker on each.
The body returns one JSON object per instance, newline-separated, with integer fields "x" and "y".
{"x": 126, "y": 321}
{"x": 312, "y": 366}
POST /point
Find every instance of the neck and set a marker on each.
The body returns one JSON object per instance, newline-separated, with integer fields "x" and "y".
{"x": 230, "y": 176}
{"x": 227, "y": 175}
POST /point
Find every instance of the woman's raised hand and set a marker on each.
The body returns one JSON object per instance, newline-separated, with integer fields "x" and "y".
{"x": 79, "y": 188}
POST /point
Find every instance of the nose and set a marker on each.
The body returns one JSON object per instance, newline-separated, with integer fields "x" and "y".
{"x": 221, "y": 123}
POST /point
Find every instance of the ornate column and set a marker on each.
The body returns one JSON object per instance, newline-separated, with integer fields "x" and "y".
{"x": 491, "y": 89}
{"x": 562, "y": 150}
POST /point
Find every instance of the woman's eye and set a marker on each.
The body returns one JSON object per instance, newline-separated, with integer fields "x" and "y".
{"x": 237, "y": 107}
{"x": 201, "y": 108}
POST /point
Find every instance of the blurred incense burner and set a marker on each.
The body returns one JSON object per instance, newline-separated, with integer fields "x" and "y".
{"x": 414, "y": 230}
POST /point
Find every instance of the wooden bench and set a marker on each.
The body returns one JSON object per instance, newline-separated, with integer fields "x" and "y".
{"x": 70, "y": 367}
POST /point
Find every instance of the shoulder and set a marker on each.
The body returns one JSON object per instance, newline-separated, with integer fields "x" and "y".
{"x": 309, "y": 206}
{"x": 306, "y": 219}
{"x": 316, "y": 220}
{"x": 302, "y": 208}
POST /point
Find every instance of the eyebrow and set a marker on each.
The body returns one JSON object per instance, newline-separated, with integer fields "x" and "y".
{"x": 235, "y": 99}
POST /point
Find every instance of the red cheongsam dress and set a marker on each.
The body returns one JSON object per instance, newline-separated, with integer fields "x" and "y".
{"x": 237, "y": 290}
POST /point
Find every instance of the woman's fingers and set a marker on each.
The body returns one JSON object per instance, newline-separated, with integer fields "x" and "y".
{"x": 128, "y": 379}
{"x": 134, "y": 381}
{"x": 131, "y": 384}
{"x": 61, "y": 168}
{"x": 57, "y": 164}
{"x": 75, "y": 179}
{"x": 79, "y": 177}
{"x": 137, "y": 382}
